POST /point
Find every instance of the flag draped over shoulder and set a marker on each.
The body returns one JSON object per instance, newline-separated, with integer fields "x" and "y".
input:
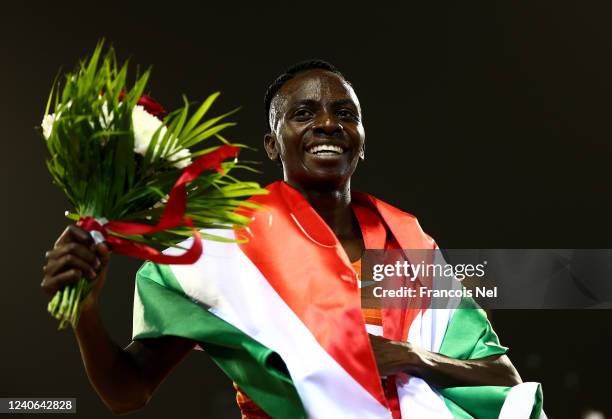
{"x": 281, "y": 316}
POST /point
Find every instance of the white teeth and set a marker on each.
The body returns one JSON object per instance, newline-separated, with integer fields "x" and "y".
{"x": 326, "y": 148}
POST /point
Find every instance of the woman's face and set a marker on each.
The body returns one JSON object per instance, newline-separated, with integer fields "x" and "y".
{"x": 316, "y": 130}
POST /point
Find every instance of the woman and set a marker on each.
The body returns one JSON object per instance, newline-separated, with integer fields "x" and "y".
{"x": 304, "y": 248}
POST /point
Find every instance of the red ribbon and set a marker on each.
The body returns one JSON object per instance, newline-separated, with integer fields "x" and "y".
{"x": 172, "y": 216}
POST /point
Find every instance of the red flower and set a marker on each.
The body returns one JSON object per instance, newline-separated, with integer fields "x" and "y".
{"x": 150, "y": 105}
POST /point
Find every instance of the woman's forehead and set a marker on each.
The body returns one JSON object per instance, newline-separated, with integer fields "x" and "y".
{"x": 317, "y": 85}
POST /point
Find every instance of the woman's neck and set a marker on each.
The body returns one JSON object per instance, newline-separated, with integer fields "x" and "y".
{"x": 334, "y": 207}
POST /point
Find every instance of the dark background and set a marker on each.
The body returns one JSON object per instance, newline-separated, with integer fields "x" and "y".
{"x": 487, "y": 120}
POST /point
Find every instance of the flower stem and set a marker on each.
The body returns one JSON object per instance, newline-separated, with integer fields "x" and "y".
{"x": 65, "y": 305}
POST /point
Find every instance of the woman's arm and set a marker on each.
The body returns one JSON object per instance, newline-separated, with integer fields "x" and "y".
{"x": 126, "y": 378}
{"x": 439, "y": 370}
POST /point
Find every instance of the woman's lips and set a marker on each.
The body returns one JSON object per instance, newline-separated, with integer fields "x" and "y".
{"x": 325, "y": 150}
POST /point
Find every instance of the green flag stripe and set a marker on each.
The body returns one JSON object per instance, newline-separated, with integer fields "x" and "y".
{"x": 470, "y": 336}
{"x": 258, "y": 370}
{"x": 483, "y": 402}
{"x": 537, "y": 408}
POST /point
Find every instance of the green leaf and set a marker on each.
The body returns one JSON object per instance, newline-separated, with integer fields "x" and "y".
{"x": 188, "y": 140}
{"x": 199, "y": 114}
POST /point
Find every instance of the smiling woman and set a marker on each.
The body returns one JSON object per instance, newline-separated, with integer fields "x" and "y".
{"x": 316, "y": 130}
{"x": 280, "y": 312}
{"x": 317, "y": 134}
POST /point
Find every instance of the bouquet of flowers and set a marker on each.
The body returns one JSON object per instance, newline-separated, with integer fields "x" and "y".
{"x": 138, "y": 179}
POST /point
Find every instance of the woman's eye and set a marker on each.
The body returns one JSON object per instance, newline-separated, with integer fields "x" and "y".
{"x": 302, "y": 113}
{"x": 345, "y": 113}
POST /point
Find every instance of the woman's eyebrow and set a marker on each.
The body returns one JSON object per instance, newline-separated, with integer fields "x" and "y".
{"x": 315, "y": 103}
{"x": 307, "y": 102}
{"x": 343, "y": 102}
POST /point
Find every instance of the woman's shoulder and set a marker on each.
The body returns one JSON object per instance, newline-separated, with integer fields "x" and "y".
{"x": 404, "y": 225}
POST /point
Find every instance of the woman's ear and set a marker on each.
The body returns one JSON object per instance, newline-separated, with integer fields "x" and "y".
{"x": 362, "y": 152}
{"x": 271, "y": 146}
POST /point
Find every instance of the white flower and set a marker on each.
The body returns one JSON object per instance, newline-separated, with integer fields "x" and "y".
{"x": 47, "y": 125}
{"x": 145, "y": 126}
{"x": 106, "y": 119}
{"x": 181, "y": 154}
{"x": 49, "y": 120}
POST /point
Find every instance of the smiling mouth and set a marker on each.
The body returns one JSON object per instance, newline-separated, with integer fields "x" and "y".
{"x": 325, "y": 150}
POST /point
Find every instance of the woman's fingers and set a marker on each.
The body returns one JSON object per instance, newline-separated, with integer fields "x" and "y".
{"x": 76, "y": 249}
{"x": 103, "y": 253}
{"x": 74, "y": 256}
{"x": 51, "y": 284}
{"x": 69, "y": 261}
{"x": 73, "y": 233}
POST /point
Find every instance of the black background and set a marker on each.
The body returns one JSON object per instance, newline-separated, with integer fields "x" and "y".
{"x": 487, "y": 120}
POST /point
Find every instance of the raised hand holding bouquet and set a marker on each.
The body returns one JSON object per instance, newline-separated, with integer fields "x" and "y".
{"x": 136, "y": 180}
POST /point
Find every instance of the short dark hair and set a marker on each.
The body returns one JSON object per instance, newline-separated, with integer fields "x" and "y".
{"x": 290, "y": 73}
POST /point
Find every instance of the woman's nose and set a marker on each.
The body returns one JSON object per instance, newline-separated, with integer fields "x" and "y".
{"x": 327, "y": 123}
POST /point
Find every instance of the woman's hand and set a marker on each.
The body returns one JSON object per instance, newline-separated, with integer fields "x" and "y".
{"x": 126, "y": 378}
{"x": 393, "y": 357}
{"x": 75, "y": 256}
{"x": 439, "y": 370}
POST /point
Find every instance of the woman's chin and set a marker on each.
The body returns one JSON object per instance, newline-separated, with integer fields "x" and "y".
{"x": 324, "y": 178}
